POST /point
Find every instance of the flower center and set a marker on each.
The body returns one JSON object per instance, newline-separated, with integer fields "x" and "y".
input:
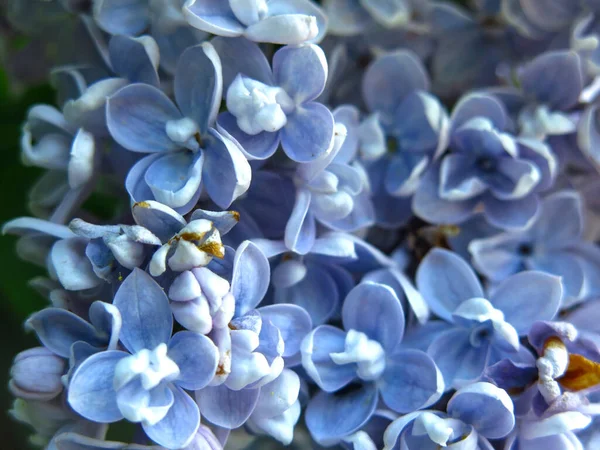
{"x": 368, "y": 355}
{"x": 257, "y": 106}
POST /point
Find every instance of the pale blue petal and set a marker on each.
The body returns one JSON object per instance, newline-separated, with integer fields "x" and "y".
{"x": 528, "y": 297}
{"x": 300, "y": 71}
{"x": 239, "y": 55}
{"x": 175, "y": 178}
{"x": 375, "y": 310}
{"x": 144, "y": 308}
{"x": 199, "y": 85}
{"x": 91, "y": 392}
{"x": 130, "y": 58}
{"x": 300, "y": 231}
{"x": 390, "y": 79}
{"x": 292, "y": 321}
{"x": 554, "y": 78}
{"x": 308, "y": 133}
{"x": 71, "y": 265}
{"x": 137, "y": 117}
{"x": 457, "y": 359}
{"x": 58, "y": 329}
{"x": 129, "y": 17}
{"x": 316, "y": 348}
{"x": 197, "y": 358}
{"x": 446, "y": 280}
{"x": 161, "y": 220}
{"x": 324, "y": 421}
{"x": 259, "y": 146}
{"x": 225, "y": 407}
{"x": 178, "y": 427}
{"x": 551, "y": 226}
{"x": 410, "y": 381}
{"x": 250, "y": 278}
{"x": 513, "y": 214}
{"x": 317, "y": 293}
{"x": 212, "y": 16}
{"x": 226, "y": 172}
{"x": 479, "y": 105}
{"x": 428, "y": 205}
{"x": 486, "y": 407}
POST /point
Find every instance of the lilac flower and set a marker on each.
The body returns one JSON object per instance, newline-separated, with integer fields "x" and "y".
{"x": 280, "y": 22}
{"x": 353, "y": 17}
{"x": 268, "y": 107}
{"x": 549, "y": 244}
{"x": 366, "y": 359}
{"x": 478, "y": 331}
{"x": 146, "y": 383}
{"x": 486, "y": 169}
{"x": 186, "y": 151}
{"x": 475, "y": 413}
{"x": 419, "y": 140}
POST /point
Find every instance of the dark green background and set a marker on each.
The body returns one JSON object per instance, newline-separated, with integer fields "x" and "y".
{"x": 17, "y": 300}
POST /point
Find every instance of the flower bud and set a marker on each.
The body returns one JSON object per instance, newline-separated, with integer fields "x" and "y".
{"x": 36, "y": 374}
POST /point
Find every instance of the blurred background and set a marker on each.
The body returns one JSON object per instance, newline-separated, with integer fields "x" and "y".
{"x": 17, "y": 300}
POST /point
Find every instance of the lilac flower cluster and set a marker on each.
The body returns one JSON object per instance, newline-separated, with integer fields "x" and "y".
{"x": 380, "y": 216}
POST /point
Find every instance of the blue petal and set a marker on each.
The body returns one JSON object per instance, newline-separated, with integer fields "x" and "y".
{"x": 72, "y": 267}
{"x": 132, "y": 58}
{"x": 239, "y": 55}
{"x": 421, "y": 124}
{"x": 511, "y": 214}
{"x": 226, "y": 171}
{"x": 259, "y": 146}
{"x": 178, "y": 427}
{"x": 58, "y": 329}
{"x": 129, "y": 17}
{"x": 212, "y": 16}
{"x": 562, "y": 89}
{"x": 528, "y": 297}
{"x": 175, "y": 178}
{"x": 324, "y": 421}
{"x": 390, "y": 79}
{"x": 488, "y": 408}
{"x": 404, "y": 290}
{"x": 225, "y": 407}
{"x": 317, "y": 293}
{"x": 91, "y": 392}
{"x": 457, "y": 359}
{"x": 428, "y": 205}
{"x": 588, "y": 136}
{"x": 197, "y": 358}
{"x": 107, "y": 319}
{"x": 300, "y": 231}
{"x": 551, "y": 226}
{"x": 375, "y": 310}
{"x": 300, "y": 71}
{"x": 446, "y": 280}
{"x": 410, "y": 381}
{"x": 308, "y": 133}
{"x": 316, "y": 348}
{"x": 144, "y": 307}
{"x": 161, "y": 220}
{"x": 137, "y": 117}
{"x": 292, "y": 321}
{"x": 479, "y": 105}
{"x": 250, "y": 278}
{"x": 199, "y": 85}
